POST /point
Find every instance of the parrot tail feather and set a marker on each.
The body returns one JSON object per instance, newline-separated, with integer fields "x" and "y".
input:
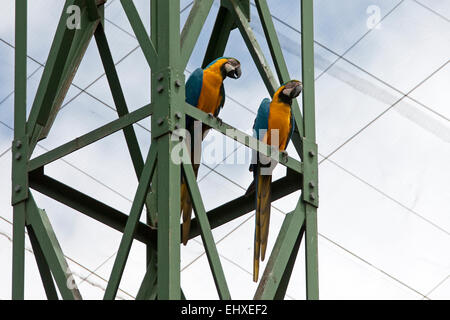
{"x": 262, "y": 219}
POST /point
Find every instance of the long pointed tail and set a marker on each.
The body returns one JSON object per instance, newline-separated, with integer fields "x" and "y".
{"x": 262, "y": 219}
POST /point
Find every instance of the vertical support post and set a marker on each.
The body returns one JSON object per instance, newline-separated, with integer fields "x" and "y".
{"x": 168, "y": 99}
{"x": 310, "y": 163}
{"x": 19, "y": 172}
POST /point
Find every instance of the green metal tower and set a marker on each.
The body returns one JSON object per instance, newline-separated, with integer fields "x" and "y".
{"x": 167, "y": 53}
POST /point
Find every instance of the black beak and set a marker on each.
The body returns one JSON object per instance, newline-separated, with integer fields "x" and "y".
{"x": 235, "y": 73}
{"x": 296, "y": 91}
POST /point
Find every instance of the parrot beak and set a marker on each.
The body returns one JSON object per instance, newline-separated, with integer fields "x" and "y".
{"x": 233, "y": 71}
{"x": 293, "y": 89}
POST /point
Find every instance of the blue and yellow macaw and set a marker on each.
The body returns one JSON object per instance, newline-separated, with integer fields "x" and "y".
{"x": 274, "y": 119}
{"x": 204, "y": 90}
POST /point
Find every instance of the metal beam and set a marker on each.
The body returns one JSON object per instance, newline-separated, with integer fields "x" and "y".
{"x": 51, "y": 250}
{"x": 243, "y": 138}
{"x": 68, "y": 48}
{"x": 87, "y": 205}
{"x": 192, "y": 28}
{"x": 19, "y": 192}
{"x": 310, "y": 161}
{"x": 44, "y": 269}
{"x": 219, "y": 36}
{"x": 130, "y": 228}
{"x": 206, "y": 234}
{"x": 119, "y": 98}
{"x": 281, "y": 253}
{"x": 91, "y": 137}
{"x": 141, "y": 34}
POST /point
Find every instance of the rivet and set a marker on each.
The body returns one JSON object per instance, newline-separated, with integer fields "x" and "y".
{"x": 160, "y": 77}
{"x": 18, "y": 144}
{"x": 177, "y": 83}
{"x": 312, "y": 196}
{"x": 311, "y": 154}
{"x": 178, "y": 115}
{"x": 312, "y": 185}
{"x": 17, "y": 188}
{"x": 18, "y": 156}
{"x": 160, "y": 89}
{"x": 177, "y": 127}
{"x": 160, "y": 121}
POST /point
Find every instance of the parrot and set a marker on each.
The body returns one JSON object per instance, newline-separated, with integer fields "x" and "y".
{"x": 204, "y": 90}
{"x": 271, "y": 115}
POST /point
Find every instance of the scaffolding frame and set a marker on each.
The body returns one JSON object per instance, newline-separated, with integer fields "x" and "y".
{"x": 167, "y": 53}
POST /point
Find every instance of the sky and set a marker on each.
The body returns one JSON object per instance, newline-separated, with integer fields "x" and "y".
{"x": 382, "y": 121}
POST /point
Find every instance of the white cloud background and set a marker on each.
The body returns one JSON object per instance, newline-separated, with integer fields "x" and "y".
{"x": 383, "y": 109}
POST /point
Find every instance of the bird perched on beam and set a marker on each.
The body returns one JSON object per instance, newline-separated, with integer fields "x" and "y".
{"x": 274, "y": 125}
{"x": 204, "y": 90}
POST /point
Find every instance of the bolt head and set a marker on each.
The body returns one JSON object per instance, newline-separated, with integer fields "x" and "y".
{"x": 17, "y": 188}
{"x": 312, "y": 154}
{"x": 18, "y": 156}
{"x": 311, "y": 184}
{"x": 177, "y": 83}
{"x": 160, "y": 89}
{"x": 18, "y": 144}
{"x": 178, "y": 115}
{"x": 160, "y": 121}
{"x": 160, "y": 77}
{"x": 312, "y": 196}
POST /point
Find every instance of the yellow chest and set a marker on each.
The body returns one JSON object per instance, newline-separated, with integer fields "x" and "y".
{"x": 279, "y": 122}
{"x": 210, "y": 96}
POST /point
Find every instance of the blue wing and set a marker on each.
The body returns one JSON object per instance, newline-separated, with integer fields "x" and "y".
{"x": 193, "y": 89}
{"x": 261, "y": 125}
{"x": 262, "y": 119}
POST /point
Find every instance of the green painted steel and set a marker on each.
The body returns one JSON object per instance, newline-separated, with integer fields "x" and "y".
{"x": 130, "y": 228}
{"x": 219, "y": 37}
{"x": 192, "y": 28}
{"x": 119, "y": 98}
{"x": 91, "y": 137}
{"x": 44, "y": 269}
{"x": 147, "y": 290}
{"x": 243, "y": 138}
{"x": 167, "y": 53}
{"x": 206, "y": 234}
{"x": 148, "y": 47}
{"x": 20, "y": 191}
{"x": 88, "y": 206}
{"x": 281, "y": 253}
{"x": 310, "y": 160}
{"x": 52, "y": 252}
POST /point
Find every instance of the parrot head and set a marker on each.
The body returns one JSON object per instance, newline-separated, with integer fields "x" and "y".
{"x": 232, "y": 68}
{"x": 291, "y": 89}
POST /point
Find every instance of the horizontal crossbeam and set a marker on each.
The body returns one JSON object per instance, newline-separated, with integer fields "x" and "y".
{"x": 91, "y": 137}
{"x": 244, "y": 138}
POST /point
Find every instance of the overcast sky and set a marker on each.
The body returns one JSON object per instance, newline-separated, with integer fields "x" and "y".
{"x": 382, "y": 109}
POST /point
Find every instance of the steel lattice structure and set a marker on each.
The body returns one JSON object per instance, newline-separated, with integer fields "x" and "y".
{"x": 167, "y": 53}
